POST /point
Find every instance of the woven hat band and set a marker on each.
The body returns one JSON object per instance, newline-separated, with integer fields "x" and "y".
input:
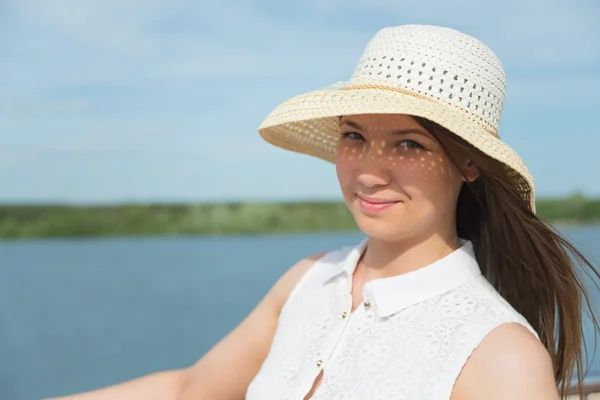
{"x": 358, "y": 84}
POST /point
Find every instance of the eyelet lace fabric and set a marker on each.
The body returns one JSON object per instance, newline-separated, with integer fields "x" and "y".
{"x": 414, "y": 354}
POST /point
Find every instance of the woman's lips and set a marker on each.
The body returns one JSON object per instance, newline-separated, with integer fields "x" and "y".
{"x": 374, "y": 205}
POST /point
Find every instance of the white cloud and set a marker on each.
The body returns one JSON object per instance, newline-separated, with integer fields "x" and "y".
{"x": 559, "y": 32}
{"x": 158, "y": 139}
{"x": 554, "y": 92}
{"x": 24, "y": 106}
{"x": 77, "y": 42}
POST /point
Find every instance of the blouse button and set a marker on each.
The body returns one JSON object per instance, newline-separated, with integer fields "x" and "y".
{"x": 367, "y": 304}
{"x": 319, "y": 363}
{"x": 344, "y": 314}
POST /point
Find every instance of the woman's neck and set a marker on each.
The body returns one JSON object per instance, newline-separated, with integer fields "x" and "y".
{"x": 383, "y": 259}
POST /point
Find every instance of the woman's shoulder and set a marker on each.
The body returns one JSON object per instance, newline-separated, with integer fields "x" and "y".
{"x": 290, "y": 278}
{"x": 325, "y": 261}
{"x": 510, "y": 353}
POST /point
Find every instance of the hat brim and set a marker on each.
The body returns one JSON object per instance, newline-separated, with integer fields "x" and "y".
{"x": 309, "y": 124}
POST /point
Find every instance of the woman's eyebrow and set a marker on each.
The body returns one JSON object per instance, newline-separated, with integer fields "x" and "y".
{"x": 353, "y": 125}
{"x": 359, "y": 127}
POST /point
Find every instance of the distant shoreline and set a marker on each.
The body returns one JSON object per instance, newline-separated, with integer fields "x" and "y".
{"x": 132, "y": 220}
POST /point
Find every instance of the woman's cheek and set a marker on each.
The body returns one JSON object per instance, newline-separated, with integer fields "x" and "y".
{"x": 347, "y": 157}
{"x": 343, "y": 165}
{"x": 344, "y": 169}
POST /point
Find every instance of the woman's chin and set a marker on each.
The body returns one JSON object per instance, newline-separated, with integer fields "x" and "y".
{"x": 380, "y": 228}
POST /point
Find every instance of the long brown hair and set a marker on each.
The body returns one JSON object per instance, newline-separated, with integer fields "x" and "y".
{"x": 528, "y": 261}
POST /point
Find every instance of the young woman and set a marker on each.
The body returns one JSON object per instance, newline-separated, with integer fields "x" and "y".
{"x": 459, "y": 290}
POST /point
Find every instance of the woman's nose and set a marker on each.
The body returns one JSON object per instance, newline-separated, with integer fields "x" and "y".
{"x": 374, "y": 169}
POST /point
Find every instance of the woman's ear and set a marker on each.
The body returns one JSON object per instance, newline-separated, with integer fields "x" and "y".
{"x": 470, "y": 171}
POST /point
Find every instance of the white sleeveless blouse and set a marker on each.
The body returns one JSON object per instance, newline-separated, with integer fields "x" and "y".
{"x": 408, "y": 340}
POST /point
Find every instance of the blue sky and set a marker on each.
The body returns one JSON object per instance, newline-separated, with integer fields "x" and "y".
{"x": 131, "y": 100}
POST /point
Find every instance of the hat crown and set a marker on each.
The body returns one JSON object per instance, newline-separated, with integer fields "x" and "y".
{"x": 437, "y": 63}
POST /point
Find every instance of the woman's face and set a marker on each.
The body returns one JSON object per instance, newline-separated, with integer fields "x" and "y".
{"x": 396, "y": 177}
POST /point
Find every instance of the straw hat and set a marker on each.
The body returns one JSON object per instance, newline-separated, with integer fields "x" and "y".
{"x": 429, "y": 71}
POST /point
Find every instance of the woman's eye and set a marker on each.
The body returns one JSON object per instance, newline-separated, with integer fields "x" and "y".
{"x": 352, "y": 136}
{"x": 411, "y": 144}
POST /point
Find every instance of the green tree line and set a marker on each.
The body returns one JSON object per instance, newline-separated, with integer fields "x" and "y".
{"x": 39, "y": 221}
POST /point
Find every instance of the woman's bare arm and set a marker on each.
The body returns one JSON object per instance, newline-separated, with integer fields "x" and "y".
{"x": 158, "y": 386}
{"x": 223, "y": 373}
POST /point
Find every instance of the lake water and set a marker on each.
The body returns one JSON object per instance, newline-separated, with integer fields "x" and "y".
{"x": 81, "y": 314}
